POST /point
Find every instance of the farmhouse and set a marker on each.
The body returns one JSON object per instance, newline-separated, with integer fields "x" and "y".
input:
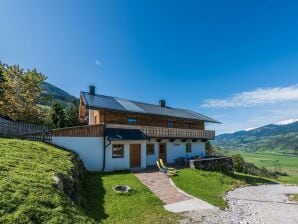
{"x": 122, "y": 134}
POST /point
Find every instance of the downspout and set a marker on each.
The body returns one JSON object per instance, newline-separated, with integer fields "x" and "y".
{"x": 104, "y": 146}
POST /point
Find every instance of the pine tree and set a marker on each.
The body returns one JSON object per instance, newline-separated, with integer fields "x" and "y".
{"x": 58, "y": 116}
{"x": 71, "y": 116}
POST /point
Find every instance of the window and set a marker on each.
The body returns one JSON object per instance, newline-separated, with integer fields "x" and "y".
{"x": 188, "y": 147}
{"x": 118, "y": 151}
{"x": 188, "y": 125}
{"x": 132, "y": 121}
{"x": 171, "y": 124}
{"x": 150, "y": 149}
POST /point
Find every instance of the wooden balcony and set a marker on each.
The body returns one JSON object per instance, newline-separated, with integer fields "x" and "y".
{"x": 161, "y": 132}
{"x": 79, "y": 131}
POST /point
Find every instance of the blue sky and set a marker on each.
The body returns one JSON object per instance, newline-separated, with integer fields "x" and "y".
{"x": 236, "y": 61}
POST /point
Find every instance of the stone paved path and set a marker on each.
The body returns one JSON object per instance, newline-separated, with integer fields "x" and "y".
{"x": 161, "y": 186}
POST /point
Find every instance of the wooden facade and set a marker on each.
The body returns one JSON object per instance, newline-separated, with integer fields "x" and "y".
{"x": 113, "y": 117}
{"x": 80, "y": 131}
{"x": 153, "y": 126}
{"x": 83, "y": 111}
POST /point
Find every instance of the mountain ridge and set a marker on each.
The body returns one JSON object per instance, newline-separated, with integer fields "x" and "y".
{"x": 53, "y": 94}
{"x": 280, "y": 138}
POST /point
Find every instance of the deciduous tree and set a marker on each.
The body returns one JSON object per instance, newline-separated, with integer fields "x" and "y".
{"x": 19, "y": 92}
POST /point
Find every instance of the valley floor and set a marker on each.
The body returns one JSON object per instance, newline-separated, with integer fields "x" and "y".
{"x": 275, "y": 162}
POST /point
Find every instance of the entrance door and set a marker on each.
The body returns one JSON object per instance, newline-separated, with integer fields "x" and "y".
{"x": 135, "y": 155}
{"x": 163, "y": 151}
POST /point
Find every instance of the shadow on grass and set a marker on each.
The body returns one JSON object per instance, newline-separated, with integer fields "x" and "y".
{"x": 93, "y": 194}
{"x": 253, "y": 180}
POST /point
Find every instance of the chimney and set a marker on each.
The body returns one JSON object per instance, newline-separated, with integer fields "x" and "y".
{"x": 92, "y": 89}
{"x": 162, "y": 103}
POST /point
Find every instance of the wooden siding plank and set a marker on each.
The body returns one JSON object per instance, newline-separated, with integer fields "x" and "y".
{"x": 80, "y": 131}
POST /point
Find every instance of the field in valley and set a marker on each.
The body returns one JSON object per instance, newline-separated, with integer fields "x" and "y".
{"x": 275, "y": 162}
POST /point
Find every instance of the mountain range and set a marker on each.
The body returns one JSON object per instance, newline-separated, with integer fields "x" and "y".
{"x": 52, "y": 94}
{"x": 281, "y": 137}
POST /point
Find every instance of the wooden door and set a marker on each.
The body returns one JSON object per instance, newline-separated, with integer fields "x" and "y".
{"x": 135, "y": 155}
{"x": 163, "y": 151}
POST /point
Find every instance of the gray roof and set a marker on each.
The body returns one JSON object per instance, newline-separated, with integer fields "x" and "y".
{"x": 114, "y": 103}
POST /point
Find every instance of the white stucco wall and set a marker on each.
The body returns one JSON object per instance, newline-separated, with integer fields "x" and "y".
{"x": 90, "y": 149}
{"x": 123, "y": 163}
{"x": 151, "y": 159}
{"x": 177, "y": 149}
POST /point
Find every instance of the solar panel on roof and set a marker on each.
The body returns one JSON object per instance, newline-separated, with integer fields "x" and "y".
{"x": 130, "y": 106}
{"x": 113, "y": 103}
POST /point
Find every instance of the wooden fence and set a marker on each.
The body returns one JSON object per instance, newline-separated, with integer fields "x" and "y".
{"x": 24, "y": 130}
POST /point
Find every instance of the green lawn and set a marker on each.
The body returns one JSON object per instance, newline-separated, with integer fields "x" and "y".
{"x": 283, "y": 163}
{"x": 105, "y": 206}
{"x": 27, "y": 194}
{"x": 211, "y": 186}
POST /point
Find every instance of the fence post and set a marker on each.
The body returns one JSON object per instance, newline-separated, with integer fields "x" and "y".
{"x": 43, "y": 135}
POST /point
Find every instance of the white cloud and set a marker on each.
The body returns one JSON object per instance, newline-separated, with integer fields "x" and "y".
{"x": 258, "y": 97}
{"x": 98, "y": 62}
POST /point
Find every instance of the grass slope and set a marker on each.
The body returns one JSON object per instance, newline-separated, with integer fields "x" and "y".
{"x": 107, "y": 207}
{"x": 27, "y": 194}
{"x": 282, "y": 163}
{"x": 211, "y": 186}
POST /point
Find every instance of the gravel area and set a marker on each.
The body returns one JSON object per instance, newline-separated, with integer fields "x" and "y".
{"x": 265, "y": 204}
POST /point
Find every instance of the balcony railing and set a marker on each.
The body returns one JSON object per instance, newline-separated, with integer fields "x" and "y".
{"x": 161, "y": 132}
{"x": 79, "y": 131}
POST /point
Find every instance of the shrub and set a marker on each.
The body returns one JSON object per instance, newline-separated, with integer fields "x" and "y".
{"x": 238, "y": 162}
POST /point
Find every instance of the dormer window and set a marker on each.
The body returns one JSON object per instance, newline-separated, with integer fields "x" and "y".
{"x": 132, "y": 121}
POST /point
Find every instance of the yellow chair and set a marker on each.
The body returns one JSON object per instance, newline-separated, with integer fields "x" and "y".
{"x": 159, "y": 167}
{"x": 165, "y": 171}
{"x": 167, "y": 168}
